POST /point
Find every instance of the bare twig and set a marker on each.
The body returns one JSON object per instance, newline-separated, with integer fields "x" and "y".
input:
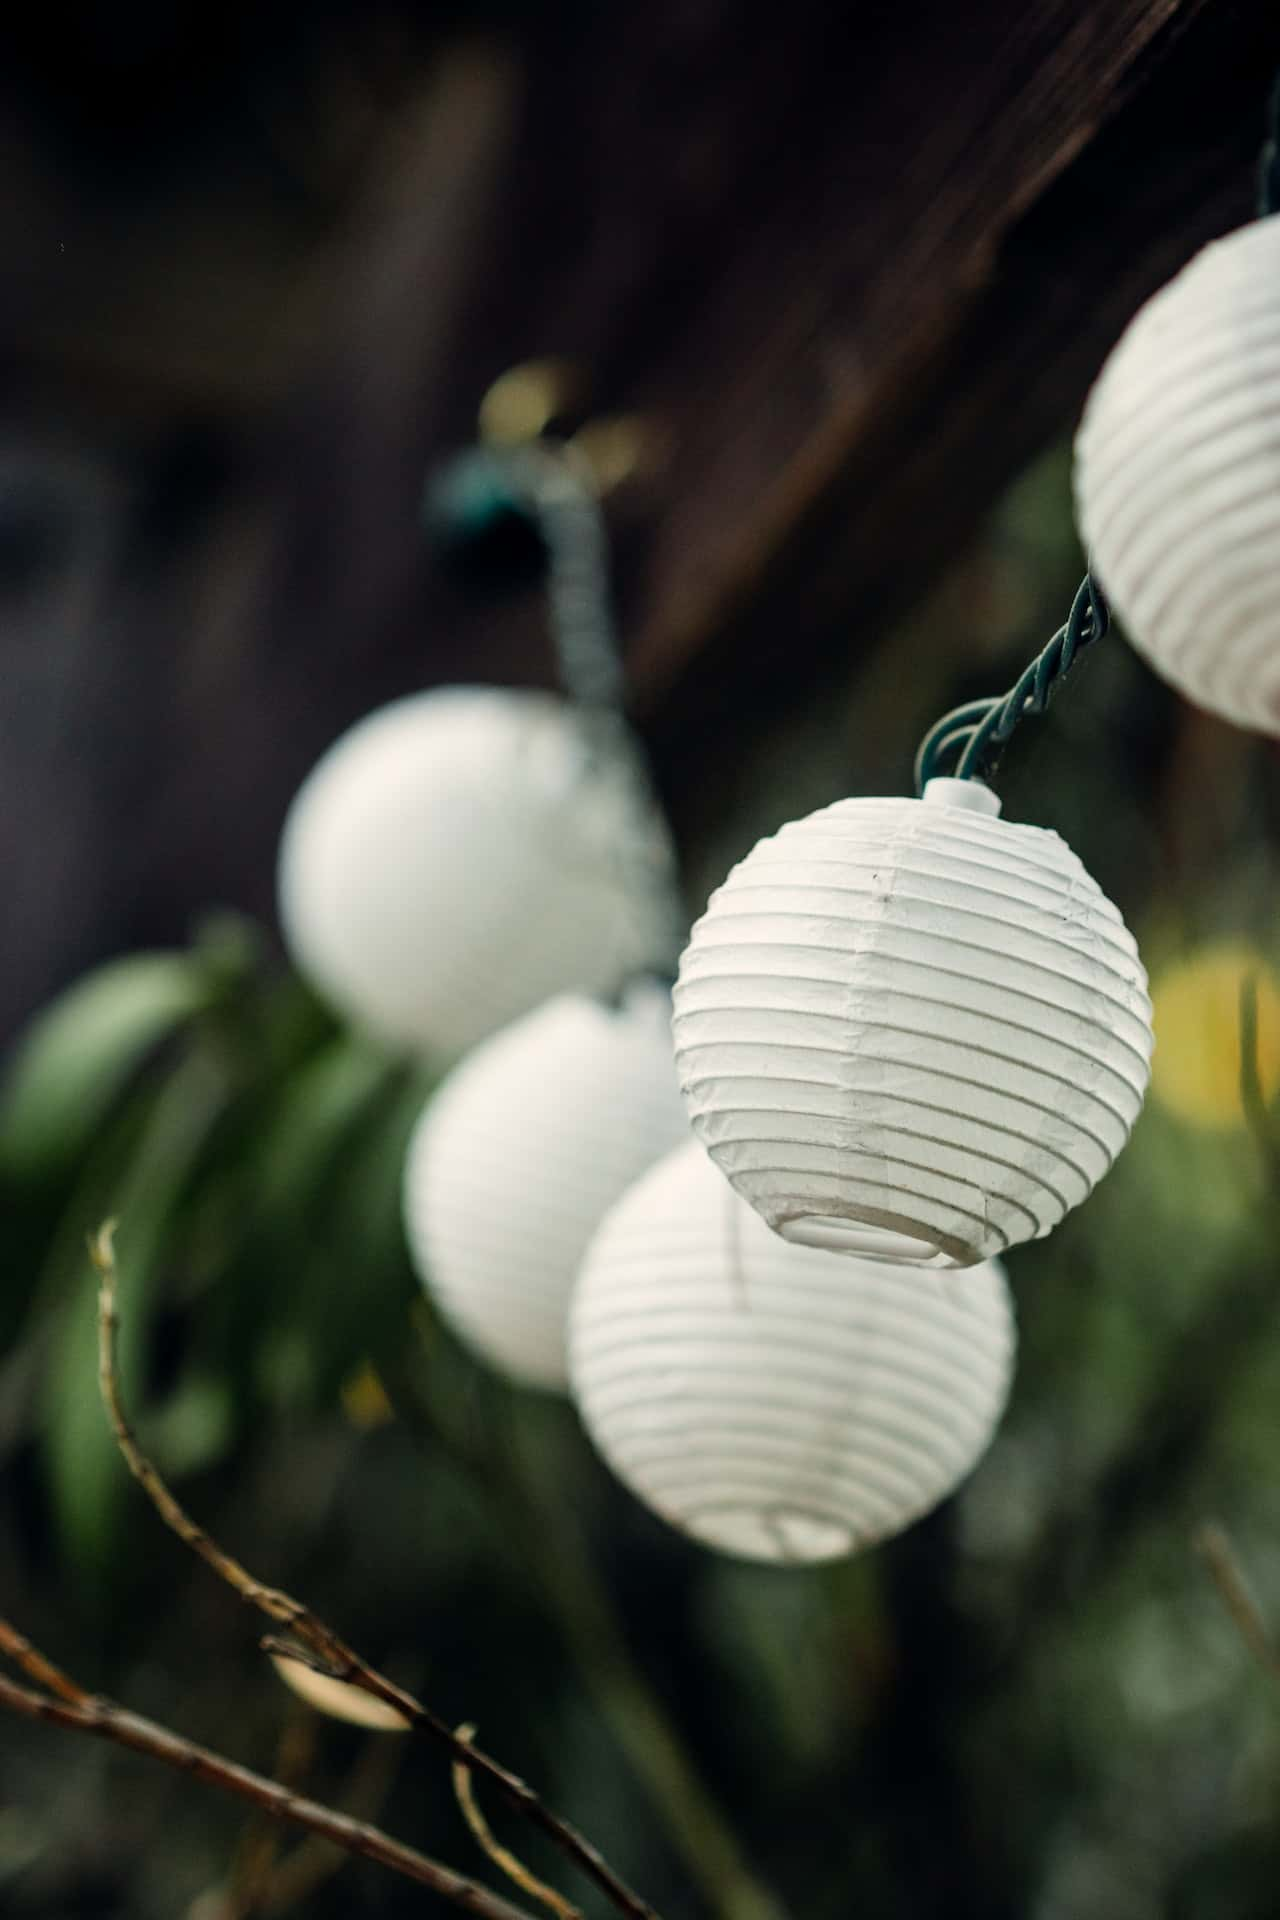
{"x": 254, "y": 1866}
{"x": 16, "y": 1647}
{"x": 330, "y": 1653}
{"x": 314, "y": 1861}
{"x": 549, "y": 1541}
{"x": 501, "y": 1856}
{"x": 105, "y": 1720}
{"x": 1214, "y": 1548}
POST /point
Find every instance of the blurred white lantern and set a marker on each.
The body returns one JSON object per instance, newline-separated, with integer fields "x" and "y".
{"x": 776, "y": 1401}
{"x": 909, "y": 1029}
{"x": 1178, "y": 478}
{"x": 518, "y": 1156}
{"x": 462, "y": 854}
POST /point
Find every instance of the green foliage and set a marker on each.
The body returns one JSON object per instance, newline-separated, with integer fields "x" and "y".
{"x": 1031, "y": 1704}
{"x": 252, "y": 1155}
{"x": 86, "y": 1477}
{"x": 81, "y": 1052}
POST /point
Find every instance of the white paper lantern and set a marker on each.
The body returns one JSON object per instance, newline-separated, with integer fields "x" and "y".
{"x": 1178, "y": 478}
{"x": 910, "y": 1029}
{"x": 518, "y": 1156}
{"x": 776, "y": 1401}
{"x": 461, "y": 855}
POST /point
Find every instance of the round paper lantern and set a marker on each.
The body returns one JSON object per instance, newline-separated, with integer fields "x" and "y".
{"x": 777, "y": 1401}
{"x": 462, "y": 854}
{"x": 1178, "y": 478}
{"x": 910, "y": 1029}
{"x": 521, "y": 1151}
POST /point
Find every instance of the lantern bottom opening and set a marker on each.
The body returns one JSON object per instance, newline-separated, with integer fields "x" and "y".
{"x": 783, "y": 1534}
{"x": 885, "y": 1239}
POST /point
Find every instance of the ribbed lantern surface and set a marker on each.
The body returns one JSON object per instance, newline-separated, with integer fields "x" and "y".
{"x": 461, "y": 855}
{"x": 518, "y": 1156}
{"x": 910, "y": 1029}
{"x": 1178, "y": 478}
{"x": 776, "y": 1401}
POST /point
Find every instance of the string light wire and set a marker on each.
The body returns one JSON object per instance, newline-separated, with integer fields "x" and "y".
{"x": 552, "y": 485}
{"x": 966, "y": 742}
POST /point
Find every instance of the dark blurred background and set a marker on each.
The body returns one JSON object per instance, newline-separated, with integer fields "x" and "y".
{"x": 851, "y": 268}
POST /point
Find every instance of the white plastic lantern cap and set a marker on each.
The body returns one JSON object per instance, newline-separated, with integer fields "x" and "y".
{"x": 773, "y": 1401}
{"x": 912, "y": 1030}
{"x": 1177, "y": 478}
{"x": 461, "y": 855}
{"x": 518, "y": 1156}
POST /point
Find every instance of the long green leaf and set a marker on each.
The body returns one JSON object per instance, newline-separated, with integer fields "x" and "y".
{"x": 86, "y": 1476}
{"x": 82, "y": 1050}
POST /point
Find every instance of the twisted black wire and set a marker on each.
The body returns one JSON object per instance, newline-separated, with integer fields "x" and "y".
{"x": 569, "y": 518}
{"x": 566, "y": 507}
{"x": 966, "y": 742}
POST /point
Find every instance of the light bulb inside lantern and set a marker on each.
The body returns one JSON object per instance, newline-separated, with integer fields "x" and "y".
{"x": 912, "y": 1030}
{"x": 1177, "y": 478}
{"x": 461, "y": 855}
{"x": 773, "y": 1401}
{"x": 517, "y": 1156}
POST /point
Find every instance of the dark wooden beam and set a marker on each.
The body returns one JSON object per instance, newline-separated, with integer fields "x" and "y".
{"x": 858, "y": 263}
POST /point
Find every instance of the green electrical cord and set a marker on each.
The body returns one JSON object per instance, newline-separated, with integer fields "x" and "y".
{"x": 966, "y": 742}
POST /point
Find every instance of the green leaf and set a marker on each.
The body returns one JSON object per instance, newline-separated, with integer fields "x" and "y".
{"x": 194, "y": 1429}
{"x": 326, "y": 1240}
{"x": 311, "y": 1131}
{"x": 301, "y": 1147}
{"x": 81, "y": 1051}
{"x": 86, "y": 1476}
{"x": 363, "y": 1289}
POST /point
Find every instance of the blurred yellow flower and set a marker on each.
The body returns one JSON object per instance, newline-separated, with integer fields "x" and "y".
{"x": 364, "y": 1399}
{"x": 1196, "y": 1070}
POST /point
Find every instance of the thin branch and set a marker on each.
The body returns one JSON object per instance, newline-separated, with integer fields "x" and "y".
{"x": 254, "y": 1866}
{"x": 280, "y": 1607}
{"x": 331, "y": 1652}
{"x": 105, "y": 1720}
{"x": 514, "y": 1868}
{"x": 16, "y": 1647}
{"x": 1214, "y": 1548}
{"x": 314, "y": 1861}
{"x": 548, "y": 1540}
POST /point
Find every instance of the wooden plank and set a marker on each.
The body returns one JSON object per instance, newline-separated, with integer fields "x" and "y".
{"x": 859, "y": 263}
{"x": 976, "y": 349}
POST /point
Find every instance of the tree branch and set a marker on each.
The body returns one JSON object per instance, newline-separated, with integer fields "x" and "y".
{"x": 34, "y": 1664}
{"x": 330, "y": 1652}
{"x": 314, "y": 1861}
{"x": 548, "y": 1540}
{"x": 105, "y": 1720}
{"x": 501, "y": 1856}
{"x": 1214, "y": 1548}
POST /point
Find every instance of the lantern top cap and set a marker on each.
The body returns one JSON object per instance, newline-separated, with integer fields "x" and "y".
{"x": 974, "y": 795}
